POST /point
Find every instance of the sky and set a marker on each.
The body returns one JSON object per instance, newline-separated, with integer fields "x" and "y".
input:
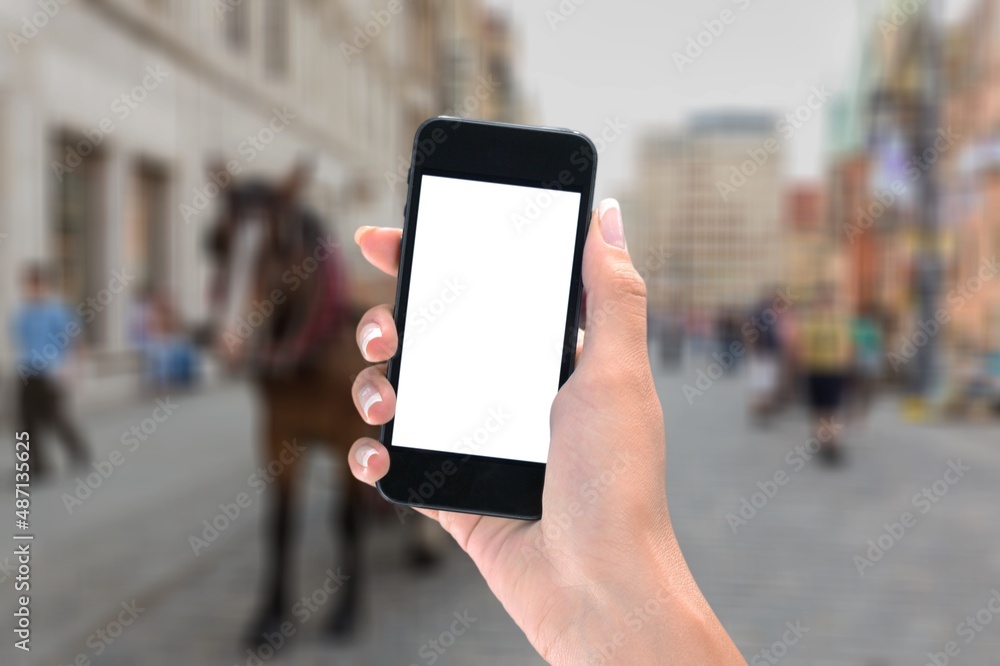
{"x": 595, "y": 61}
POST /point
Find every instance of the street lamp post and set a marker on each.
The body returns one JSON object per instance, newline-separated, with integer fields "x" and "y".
{"x": 927, "y": 274}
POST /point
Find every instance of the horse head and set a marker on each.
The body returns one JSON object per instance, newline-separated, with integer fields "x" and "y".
{"x": 278, "y": 281}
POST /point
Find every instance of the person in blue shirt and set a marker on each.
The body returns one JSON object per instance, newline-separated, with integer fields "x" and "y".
{"x": 45, "y": 334}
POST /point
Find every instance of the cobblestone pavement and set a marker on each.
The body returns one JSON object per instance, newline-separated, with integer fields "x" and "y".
{"x": 128, "y": 542}
{"x": 791, "y": 564}
{"x": 794, "y": 560}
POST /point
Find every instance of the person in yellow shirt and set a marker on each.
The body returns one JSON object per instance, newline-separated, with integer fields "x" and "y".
{"x": 824, "y": 356}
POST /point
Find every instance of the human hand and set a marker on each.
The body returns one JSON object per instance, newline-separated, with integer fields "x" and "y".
{"x": 600, "y": 578}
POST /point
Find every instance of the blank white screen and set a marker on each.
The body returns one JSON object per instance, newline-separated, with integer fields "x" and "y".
{"x": 485, "y": 319}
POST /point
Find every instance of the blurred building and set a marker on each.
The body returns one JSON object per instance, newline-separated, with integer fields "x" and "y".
{"x": 814, "y": 246}
{"x": 478, "y": 53}
{"x": 710, "y": 195}
{"x": 882, "y": 165}
{"x": 848, "y": 193}
{"x": 971, "y": 173}
{"x": 119, "y": 118}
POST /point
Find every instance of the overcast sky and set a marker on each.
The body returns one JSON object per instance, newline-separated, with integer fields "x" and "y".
{"x": 615, "y": 58}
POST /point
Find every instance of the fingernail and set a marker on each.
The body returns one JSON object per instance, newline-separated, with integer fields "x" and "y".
{"x": 360, "y": 232}
{"x": 364, "y": 454}
{"x": 610, "y": 214}
{"x": 369, "y": 332}
{"x": 369, "y": 397}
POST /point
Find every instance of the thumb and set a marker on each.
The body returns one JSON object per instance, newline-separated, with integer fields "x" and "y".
{"x": 615, "y": 293}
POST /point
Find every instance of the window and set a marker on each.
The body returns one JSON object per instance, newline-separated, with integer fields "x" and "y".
{"x": 276, "y": 41}
{"x": 236, "y": 23}
{"x": 77, "y": 231}
{"x": 146, "y": 233}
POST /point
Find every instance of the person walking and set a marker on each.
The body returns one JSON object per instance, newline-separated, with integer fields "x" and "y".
{"x": 825, "y": 353}
{"x": 45, "y": 335}
{"x": 866, "y": 335}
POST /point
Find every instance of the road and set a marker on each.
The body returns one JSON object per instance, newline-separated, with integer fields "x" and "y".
{"x": 794, "y": 560}
{"x": 784, "y": 577}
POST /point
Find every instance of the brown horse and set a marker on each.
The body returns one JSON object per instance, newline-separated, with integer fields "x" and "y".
{"x": 281, "y": 311}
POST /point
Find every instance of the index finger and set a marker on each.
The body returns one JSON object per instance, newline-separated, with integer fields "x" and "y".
{"x": 380, "y": 246}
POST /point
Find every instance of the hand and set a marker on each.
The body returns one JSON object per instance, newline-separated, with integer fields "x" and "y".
{"x": 600, "y": 578}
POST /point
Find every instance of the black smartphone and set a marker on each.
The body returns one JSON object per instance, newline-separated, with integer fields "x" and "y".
{"x": 487, "y": 311}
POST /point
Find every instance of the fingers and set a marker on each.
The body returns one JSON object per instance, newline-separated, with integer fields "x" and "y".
{"x": 369, "y": 460}
{"x": 380, "y": 246}
{"x": 376, "y": 334}
{"x": 615, "y": 293}
{"x": 373, "y": 396}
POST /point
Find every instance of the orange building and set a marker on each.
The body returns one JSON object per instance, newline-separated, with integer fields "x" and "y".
{"x": 971, "y": 180}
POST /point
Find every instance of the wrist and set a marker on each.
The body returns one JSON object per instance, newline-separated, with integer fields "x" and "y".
{"x": 649, "y": 611}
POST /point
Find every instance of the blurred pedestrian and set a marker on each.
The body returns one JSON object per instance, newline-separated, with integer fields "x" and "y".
{"x": 761, "y": 337}
{"x": 169, "y": 356}
{"x": 728, "y": 334}
{"x": 866, "y": 336}
{"x": 825, "y": 353}
{"x": 46, "y": 334}
{"x": 790, "y": 374}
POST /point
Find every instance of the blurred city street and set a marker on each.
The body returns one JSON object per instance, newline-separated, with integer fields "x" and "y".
{"x": 793, "y": 561}
{"x": 130, "y": 541}
{"x": 790, "y": 565}
{"x": 811, "y": 187}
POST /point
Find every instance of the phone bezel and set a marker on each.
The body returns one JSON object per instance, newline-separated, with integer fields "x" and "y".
{"x": 549, "y": 158}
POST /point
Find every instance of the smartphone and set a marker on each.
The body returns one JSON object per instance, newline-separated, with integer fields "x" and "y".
{"x": 487, "y": 311}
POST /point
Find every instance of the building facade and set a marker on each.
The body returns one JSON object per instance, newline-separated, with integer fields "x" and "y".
{"x": 119, "y": 118}
{"x": 971, "y": 179}
{"x": 710, "y": 197}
